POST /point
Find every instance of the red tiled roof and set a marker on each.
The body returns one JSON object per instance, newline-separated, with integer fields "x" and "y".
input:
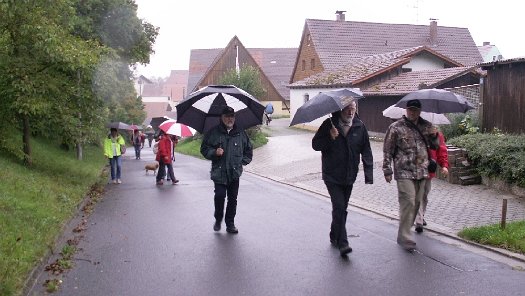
{"x": 174, "y": 86}
{"x": 337, "y": 42}
{"x": 410, "y": 81}
{"x": 200, "y": 61}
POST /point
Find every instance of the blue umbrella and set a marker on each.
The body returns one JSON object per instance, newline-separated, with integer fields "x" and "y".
{"x": 325, "y": 103}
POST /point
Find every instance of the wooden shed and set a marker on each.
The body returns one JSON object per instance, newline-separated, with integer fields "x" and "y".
{"x": 503, "y": 96}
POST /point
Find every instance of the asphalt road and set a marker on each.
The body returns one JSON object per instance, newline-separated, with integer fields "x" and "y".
{"x": 144, "y": 239}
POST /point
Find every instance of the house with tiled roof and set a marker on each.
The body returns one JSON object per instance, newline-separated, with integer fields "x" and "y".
{"x": 490, "y": 52}
{"x": 386, "y": 61}
{"x": 161, "y": 96}
{"x": 274, "y": 64}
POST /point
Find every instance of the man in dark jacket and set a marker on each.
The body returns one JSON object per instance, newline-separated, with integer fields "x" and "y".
{"x": 343, "y": 140}
{"x": 228, "y": 148}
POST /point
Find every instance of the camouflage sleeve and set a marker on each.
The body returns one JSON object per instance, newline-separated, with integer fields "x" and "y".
{"x": 389, "y": 146}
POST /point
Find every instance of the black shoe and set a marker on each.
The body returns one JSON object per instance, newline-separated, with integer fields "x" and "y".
{"x": 345, "y": 250}
{"x": 232, "y": 229}
{"x": 419, "y": 228}
{"x": 424, "y": 222}
{"x": 333, "y": 242}
{"x": 217, "y": 226}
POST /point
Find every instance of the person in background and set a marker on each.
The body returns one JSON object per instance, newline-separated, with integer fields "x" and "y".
{"x": 268, "y": 111}
{"x": 440, "y": 155}
{"x": 343, "y": 140}
{"x": 136, "y": 139}
{"x": 113, "y": 152}
{"x": 405, "y": 145}
{"x": 165, "y": 158}
{"x": 174, "y": 140}
{"x": 229, "y": 148}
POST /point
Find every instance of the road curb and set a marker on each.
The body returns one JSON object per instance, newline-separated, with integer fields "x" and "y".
{"x": 435, "y": 230}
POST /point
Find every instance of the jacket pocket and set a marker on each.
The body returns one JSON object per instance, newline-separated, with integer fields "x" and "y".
{"x": 216, "y": 173}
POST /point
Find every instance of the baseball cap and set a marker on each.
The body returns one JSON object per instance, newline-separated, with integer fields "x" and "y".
{"x": 227, "y": 110}
{"x": 414, "y": 104}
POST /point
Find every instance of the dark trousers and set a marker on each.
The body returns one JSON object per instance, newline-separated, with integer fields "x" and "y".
{"x": 137, "y": 151}
{"x": 339, "y": 195}
{"x": 162, "y": 171}
{"x": 221, "y": 191}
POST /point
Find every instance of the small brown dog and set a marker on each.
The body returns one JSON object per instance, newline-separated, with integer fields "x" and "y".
{"x": 153, "y": 166}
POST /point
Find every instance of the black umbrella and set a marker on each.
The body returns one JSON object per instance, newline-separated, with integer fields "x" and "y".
{"x": 437, "y": 101}
{"x": 118, "y": 125}
{"x": 156, "y": 121}
{"x": 325, "y": 103}
{"x": 202, "y": 109}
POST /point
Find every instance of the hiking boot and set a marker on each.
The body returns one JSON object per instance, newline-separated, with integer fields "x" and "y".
{"x": 345, "y": 250}
{"x": 419, "y": 228}
{"x": 232, "y": 229}
{"x": 217, "y": 226}
{"x": 408, "y": 245}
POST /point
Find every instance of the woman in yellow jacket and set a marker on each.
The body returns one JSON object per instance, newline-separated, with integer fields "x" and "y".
{"x": 114, "y": 147}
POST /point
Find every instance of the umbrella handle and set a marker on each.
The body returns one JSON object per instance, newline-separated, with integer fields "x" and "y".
{"x": 330, "y": 116}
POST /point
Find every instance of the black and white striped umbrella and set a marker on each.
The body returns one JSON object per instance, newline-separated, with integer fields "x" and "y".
{"x": 202, "y": 109}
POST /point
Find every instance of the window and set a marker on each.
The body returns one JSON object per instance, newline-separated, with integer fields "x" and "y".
{"x": 304, "y": 65}
{"x": 306, "y": 98}
{"x": 308, "y": 40}
{"x": 312, "y": 64}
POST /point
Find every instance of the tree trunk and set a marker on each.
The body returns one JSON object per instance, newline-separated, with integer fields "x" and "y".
{"x": 26, "y": 140}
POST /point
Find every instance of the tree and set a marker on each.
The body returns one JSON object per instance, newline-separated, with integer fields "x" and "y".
{"x": 38, "y": 56}
{"x": 53, "y": 56}
{"x": 248, "y": 79}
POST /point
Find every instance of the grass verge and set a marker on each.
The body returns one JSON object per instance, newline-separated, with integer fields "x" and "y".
{"x": 36, "y": 203}
{"x": 511, "y": 238}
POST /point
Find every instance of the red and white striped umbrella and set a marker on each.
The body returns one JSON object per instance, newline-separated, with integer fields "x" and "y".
{"x": 172, "y": 127}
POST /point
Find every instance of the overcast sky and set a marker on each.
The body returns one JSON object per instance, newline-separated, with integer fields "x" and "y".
{"x": 194, "y": 24}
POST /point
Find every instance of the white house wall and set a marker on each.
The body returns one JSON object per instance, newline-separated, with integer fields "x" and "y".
{"x": 297, "y": 100}
{"x": 425, "y": 61}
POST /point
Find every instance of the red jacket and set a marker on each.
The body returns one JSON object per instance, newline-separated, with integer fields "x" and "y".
{"x": 440, "y": 155}
{"x": 165, "y": 151}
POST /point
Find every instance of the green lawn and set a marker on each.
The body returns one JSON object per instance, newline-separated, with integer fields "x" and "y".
{"x": 511, "y": 238}
{"x": 36, "y": 202}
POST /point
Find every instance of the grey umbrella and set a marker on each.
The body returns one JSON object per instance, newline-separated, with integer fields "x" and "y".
{"x": 437, "y": 101}
{"x": 323, "y": 104}
{"x": 118, "y": 125}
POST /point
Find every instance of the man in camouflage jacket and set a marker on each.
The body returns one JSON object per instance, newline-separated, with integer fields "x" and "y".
{"x": 406, "y": 148}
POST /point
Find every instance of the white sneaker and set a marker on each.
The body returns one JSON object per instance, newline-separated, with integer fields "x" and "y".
{"x": 118, "y": 181}
{"x": 114, "y": 181}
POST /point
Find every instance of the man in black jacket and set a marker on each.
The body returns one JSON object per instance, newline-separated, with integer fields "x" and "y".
{"x": 228, "y": 148}
{"x": 342, "y": 140}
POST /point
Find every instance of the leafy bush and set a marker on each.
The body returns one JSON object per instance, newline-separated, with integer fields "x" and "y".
{"x": 461, "y": 124}
{"x": 496, "y": 155}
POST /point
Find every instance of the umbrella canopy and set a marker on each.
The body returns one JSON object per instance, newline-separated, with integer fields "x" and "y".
{"x": 324, "y": 103}
{"x": 134, "y": 127}
{"x": 437, "y": 101}
{"x": 172, "y": 127}
{"x": 202, "y": 109}
{"x": 397, "y": 112}
{"x": 117, "y": 125}
{"x": 156, "y": 121}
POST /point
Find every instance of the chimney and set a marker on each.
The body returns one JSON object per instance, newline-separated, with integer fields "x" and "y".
{"x": 485, "y": 43}
{"x": 433, "y": 32}
{"x": 340, "y": 15}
